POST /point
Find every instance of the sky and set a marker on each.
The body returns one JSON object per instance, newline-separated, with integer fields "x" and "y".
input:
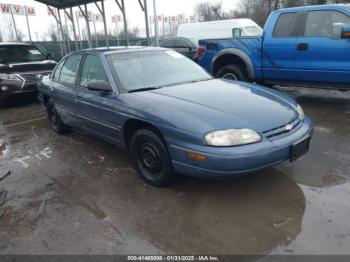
{"x": 39, "y": 24}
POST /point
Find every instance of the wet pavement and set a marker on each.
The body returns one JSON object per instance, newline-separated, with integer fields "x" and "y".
{"x": 75, "y": 194}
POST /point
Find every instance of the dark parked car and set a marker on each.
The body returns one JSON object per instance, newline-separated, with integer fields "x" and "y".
{"x": 19, "y": 66}
{"x": 171, "y": 115}
{"x": 186, "y": 46}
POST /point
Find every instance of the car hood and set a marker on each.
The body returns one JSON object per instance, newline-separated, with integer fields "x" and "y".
{"x": 28, "y": 67}
{"x": 220, "y": 104}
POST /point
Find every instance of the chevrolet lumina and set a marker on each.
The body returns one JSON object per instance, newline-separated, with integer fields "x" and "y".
{"x": 172, "y": 116}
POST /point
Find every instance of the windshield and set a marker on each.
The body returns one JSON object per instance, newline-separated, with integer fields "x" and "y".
{"x": 137, "y": 70}
{"x": 20, "y": 54}
{"x": 254, "y": 30}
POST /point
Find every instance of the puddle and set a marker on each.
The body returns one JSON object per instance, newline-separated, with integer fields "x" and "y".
{"x": 325, "y": 227}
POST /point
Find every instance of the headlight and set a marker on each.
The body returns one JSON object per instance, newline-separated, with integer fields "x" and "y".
{"x": 231, "y": 137}
{"x": 301, "y": 112}
{"x": 10, "y": 77}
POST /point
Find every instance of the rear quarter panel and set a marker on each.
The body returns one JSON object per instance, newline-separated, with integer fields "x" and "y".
{"x": 251, "y": 46}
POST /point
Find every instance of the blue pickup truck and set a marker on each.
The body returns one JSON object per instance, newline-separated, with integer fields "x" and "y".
{"x": 302, "y": 46}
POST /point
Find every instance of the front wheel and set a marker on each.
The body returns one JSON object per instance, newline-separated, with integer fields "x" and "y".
{"x": 55, "y": 119}
{"x": 232, "y": 72}
{"x": 151, "y": 158}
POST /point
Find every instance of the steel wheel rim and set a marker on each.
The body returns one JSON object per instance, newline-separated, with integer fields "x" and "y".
{"x": 149, "y": 159}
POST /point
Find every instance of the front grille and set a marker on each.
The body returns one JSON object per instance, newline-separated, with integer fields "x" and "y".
{"x": 30, "y": 78}
{"x": 283, "y": 130}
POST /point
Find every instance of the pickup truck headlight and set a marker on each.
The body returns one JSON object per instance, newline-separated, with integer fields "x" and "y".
{"x": 231, "y": 137}
{"x": 11, "y": 77}
{"x": 301, "y": 112}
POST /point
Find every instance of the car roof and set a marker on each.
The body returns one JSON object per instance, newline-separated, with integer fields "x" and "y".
{"x": 313, "y": 7}
{"x": 120, "y": 49}
{"x": 15, "y": 44}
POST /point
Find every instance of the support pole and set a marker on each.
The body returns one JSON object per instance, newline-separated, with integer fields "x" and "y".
{"x": 61, "y": 29}
{"x": 29, "y": 34}
{"x": 79, "y": 32}
{"x": 88, "y": 26}
{"x": 125, "y": 24}
{"x": 58, "y": 27}
{"x": 67, "y": 31}
{"x": 71, "y": 18}
{"x": 146, "y": 21}
{"x": 61, "y": 47}
{"x": 105, "y": 23}
{"x": 94, "y": 23}
{"x": 156, "y": 22}
{"x": 117, "y": 27}
{"x": 86, "y": 16}
{"x": 122, "y": 9}
{"x": 14, "y": 23}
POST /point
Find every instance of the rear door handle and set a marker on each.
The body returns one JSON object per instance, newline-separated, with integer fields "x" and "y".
{"x": 303, "y": 47}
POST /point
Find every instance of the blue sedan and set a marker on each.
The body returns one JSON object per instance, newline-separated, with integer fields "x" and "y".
{"x": 171, "y": 115}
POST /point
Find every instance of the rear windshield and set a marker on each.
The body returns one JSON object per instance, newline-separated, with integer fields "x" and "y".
{"x": 20, "y": 54}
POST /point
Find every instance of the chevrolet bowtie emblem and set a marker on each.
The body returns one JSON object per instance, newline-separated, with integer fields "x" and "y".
{"x": 289, "y": 127}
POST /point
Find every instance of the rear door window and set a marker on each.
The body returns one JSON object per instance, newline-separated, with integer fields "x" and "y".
{"x": 285, "y": 26}
{"x": 70, "y": 69}
{"x": 325, "y": 23}
{"x": 58, "y": 69}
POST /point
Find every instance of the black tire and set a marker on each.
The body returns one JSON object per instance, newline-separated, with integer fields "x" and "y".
{"x": 55, "y": 119}
{"x": 232, "y": 72}
{"x": 151, "y": 158}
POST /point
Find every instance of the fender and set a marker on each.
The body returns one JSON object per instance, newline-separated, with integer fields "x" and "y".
{"x": 237, "y": 52}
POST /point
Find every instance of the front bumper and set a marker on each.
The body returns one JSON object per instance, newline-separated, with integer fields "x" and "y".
{"x": 221, "y": 162}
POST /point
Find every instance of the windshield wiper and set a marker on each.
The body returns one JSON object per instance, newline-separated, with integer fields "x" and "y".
{"x": 144, "y": 89}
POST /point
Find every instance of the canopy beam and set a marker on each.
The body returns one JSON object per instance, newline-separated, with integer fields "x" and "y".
{"x": 122, "y": 9}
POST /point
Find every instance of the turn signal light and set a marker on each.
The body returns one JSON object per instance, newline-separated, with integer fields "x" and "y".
{"x": 196, "y": 156}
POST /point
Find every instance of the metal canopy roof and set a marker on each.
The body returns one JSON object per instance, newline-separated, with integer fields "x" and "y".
{"x": 61, "y": 4}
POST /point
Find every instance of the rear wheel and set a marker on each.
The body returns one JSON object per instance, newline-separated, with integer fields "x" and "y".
{"x": 55, "y": 119}
{"x": 232, "y": 72}
{"x": 151, "y": 158}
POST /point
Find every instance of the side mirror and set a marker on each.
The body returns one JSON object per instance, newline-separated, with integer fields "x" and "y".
{"x": 98, "y": 85}
{"x": 345, "y": 32}
{"x": 50, "y": 56}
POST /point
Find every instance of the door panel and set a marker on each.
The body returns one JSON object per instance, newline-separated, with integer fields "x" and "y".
{"x": 96, "y": 109}
{"x": 279, "y": 49}
{"x": 326, "y": 58}
{"x": 64, "y": 89}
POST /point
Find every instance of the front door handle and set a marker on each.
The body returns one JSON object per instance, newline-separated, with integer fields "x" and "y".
{"x": 303, "y": 47}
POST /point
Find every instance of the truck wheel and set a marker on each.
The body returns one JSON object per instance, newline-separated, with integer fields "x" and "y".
{"x": 151, "y": 158}
{"x": 232, "y": 72}
{"x": 55, "y": 119}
